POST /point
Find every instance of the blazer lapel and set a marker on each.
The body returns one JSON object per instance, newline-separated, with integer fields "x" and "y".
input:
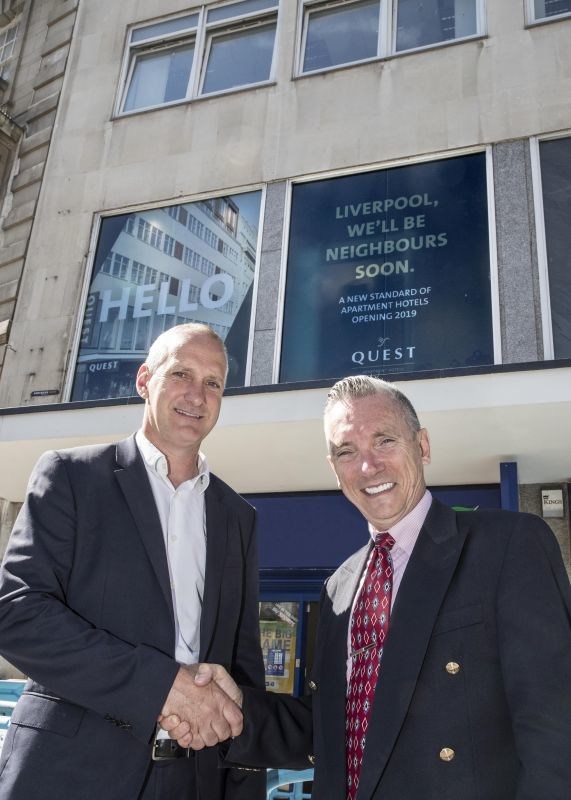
{"x": 332, "y": 673}
{"x": 426, "y": 579}
{"x": 134, "y": 482}
{"x": 217, "y": 522}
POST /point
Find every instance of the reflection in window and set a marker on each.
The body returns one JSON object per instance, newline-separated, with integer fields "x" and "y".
{"x": 544, "y": 9}
{"x": 556, "y": 184}
{"x": 349, "y": 31}
{"x": 159, "y": 77}
{"x": 239, "y": 59}
{"x": 424, "y": 22}
{"x": 341, "y": 34}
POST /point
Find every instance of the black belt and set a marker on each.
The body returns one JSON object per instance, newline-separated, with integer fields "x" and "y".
{"x": 167, "y": 749}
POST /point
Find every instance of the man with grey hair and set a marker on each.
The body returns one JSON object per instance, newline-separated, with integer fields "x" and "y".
{"x": 443, "y": 653}
{"x": 128, "y": 564}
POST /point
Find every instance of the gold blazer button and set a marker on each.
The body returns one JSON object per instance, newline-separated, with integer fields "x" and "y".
{"x": 312, "y": 759}
{"x": 447, "y": 754}
{"x": 452, "y": 668}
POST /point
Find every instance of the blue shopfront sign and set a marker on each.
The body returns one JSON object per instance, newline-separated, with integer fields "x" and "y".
{"x": 389, "y": 271}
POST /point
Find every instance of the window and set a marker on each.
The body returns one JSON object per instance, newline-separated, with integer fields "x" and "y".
{"x": 350, "y": 31}
{"x": 555, "y": 160}
{"x": 380, "y": 264}
{"x": 7, "y": 43}
{"x": 547, "y": 9}
{"x": 215, "y": 49}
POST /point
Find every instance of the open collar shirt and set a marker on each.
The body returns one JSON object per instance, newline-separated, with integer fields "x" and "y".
{"x": 182, "y": 514}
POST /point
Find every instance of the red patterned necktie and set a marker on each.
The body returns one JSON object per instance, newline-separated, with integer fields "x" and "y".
{"x": 369, "y": 629}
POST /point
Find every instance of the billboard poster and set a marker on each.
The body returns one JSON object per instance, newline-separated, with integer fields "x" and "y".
{"x": 193, "y": 262}
{"x": 278, "y": 632}
{"x": 389, "y": 271}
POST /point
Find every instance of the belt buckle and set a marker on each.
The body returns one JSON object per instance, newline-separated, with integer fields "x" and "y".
{"x": 165, "y": 749}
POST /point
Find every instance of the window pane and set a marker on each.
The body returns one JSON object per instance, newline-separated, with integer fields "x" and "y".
{"x": 160, "y": 77}
{"x": 424, "y": 22}
{"x": 239, "y": 59}
{"x": 164, "y": 28}
{"x": 341, "y": 35}
{"x": 556, "y": 184}
{"x": 238, "y": 9}
{"x": 550, "y": 8}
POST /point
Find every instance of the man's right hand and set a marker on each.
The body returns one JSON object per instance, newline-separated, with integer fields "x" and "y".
{"x": 202, "y": 707}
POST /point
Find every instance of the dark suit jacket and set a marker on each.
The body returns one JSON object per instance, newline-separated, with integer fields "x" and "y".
{"x": 486, "y": 590}
{"x": 86, "y": 611}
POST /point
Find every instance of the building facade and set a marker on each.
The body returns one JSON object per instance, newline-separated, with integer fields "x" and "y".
{"x": 336, "y": 187}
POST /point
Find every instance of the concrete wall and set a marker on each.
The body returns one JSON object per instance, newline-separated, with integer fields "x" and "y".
{"x": 509, "y": 85}
{"x": 31, "y": 102}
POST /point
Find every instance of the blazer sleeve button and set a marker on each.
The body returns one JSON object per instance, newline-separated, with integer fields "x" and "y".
{"x": 452, "y": 668}
{"x": 447, "y": 754}
{"x": 312, "y": 686}
{"x": 312, "y": 759}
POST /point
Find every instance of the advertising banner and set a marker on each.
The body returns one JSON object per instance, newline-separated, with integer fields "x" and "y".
{"x": 193, "y": 262}
{"x": 388, "y": 272}
{"x": 278, "y": 648}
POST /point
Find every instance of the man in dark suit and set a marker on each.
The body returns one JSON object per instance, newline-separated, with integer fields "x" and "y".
{"x": 473, "y": 696}
{"x": 127, "y": 564}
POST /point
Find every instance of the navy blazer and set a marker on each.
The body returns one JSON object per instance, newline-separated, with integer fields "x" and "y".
{"x": 485, "y": 590}
{"x": 86, "y": 611}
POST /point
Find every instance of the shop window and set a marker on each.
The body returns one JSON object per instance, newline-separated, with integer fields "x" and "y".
{"x": 350, "y": 31}
{"x": 555, "y": 159}
{"x": 130, "y": 301}
{"x": 548, "y": 9}
{"x": 231, "y": 45}
{"x": 389, "y": 271}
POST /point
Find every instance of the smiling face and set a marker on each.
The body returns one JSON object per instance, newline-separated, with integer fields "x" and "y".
{"x": 183, "y": 393}
{"x": 377, "y": 457}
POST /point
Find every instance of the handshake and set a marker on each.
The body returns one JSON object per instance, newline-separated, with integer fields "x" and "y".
{"x": 203, "y": 707}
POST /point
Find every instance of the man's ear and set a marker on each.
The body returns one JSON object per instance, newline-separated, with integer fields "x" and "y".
{"x": 141, "y": 380}
{"x": 424, "y": 442}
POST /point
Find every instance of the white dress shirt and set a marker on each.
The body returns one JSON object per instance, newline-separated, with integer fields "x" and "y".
{"x": 182, "y": 514}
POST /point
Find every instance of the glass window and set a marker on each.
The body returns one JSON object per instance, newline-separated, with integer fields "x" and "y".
{"x": 7, "y": 42}
{"x": 349, "y": 31}
{"x": 341, "y": 34}
{"x": 159, "y": 77}
{"x": 555, "y": 159}
{"x": 545, "y": 9}
{"x": 139, "y": 287}
{"x": 237, "y": 47}
{"x": 381, "y": 264}
{"x": 239, "y": 59}
{"x": 425, "y": 22}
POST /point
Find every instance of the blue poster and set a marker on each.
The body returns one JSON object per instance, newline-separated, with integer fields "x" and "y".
{"x": 389, "y": 272}
{"x": 193, "y": 262}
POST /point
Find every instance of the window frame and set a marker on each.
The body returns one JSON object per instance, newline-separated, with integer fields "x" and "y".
{"x": 200, "y": 35}
{"x": 386, "y": 47}
{"x": 531, "y": 19}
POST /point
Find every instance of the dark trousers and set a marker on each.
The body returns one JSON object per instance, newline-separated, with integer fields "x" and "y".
{"x": 171, "y": 780}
